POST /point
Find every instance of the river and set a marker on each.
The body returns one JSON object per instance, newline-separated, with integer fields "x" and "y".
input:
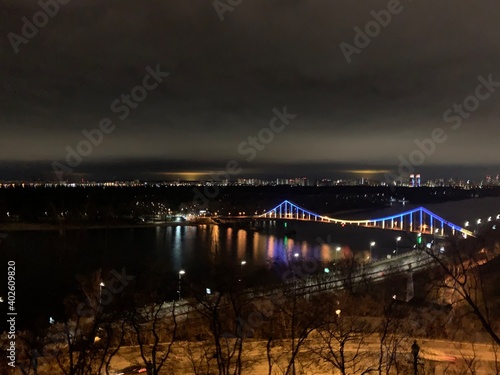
{"x": 47, "y": 262}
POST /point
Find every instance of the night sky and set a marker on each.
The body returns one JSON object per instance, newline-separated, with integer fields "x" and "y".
{"x": 226, "y": 77}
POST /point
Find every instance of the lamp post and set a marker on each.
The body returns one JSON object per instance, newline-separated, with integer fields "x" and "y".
{"x": 181, "y": 272}
{"x": 243, "y": 262}
{"x": 337, "y": 249}
{"x": 101, "y": 285}
{"x": 371, "y": 247}
{"x": 397, "y": 241}
{"x": 296, "y": 256}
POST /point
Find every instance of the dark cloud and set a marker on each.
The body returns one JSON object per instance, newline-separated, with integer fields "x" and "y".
{"x": 226, "y": 77}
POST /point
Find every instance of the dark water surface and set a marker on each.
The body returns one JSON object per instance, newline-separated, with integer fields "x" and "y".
{"x": 47, "y": 262}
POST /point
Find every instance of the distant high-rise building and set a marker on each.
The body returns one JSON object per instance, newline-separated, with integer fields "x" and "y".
{"x": 415, "y": 180}
{"x": 412, "y": 180}
{"x": 281, "y": 181}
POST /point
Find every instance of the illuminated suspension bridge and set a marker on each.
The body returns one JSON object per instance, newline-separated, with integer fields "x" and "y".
{"x": 419, "y": 220}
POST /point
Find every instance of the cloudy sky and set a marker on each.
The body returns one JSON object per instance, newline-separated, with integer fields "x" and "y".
{"x": 226, "y": 77}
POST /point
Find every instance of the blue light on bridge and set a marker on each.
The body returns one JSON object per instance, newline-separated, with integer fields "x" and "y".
{"x": 290, "y": 210}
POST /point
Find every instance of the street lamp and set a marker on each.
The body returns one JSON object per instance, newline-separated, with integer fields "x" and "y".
{"x": 371, "y": 246}
{"x": 181, "y": 272}
{"x": 397, "y": 240}
{"x": 467, "y": 224}
{"x": 478, "y": 221}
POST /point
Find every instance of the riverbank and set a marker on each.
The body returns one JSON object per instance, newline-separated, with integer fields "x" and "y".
{"x": 11, "y": 227}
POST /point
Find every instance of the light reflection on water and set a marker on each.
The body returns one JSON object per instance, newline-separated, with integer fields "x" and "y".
{"x": 53, "y": 259}
{"x": 317, "y": 240}
{"x": 194, "y": 247}
{"x": 241, "y": 244}
{"x": 183, "y": 243}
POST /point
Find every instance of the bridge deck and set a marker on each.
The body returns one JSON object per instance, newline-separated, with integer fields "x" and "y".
{"x": 418, "y": 220}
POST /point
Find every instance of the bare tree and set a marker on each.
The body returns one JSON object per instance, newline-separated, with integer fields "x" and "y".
{"x": 495, "y": 368}
{"x": 344, "y": 339}
{"x": 90, "y": 333}
{"x": 390, "y": 316}
{"x": 302, "y": 317}
{"x": 29, "y": 348}
{"x": 109, "y": 345}
{"x": 156, "y": 331}
{"x": 463, "y": 278}
{"x": 344, "y": 345}
{"x": 76, "y": 346}
{"x": 391, "y": 337}
{"x": 220, "y": 312}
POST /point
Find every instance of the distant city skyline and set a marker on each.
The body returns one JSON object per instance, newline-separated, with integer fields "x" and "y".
{"x": 370, "y": 177}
